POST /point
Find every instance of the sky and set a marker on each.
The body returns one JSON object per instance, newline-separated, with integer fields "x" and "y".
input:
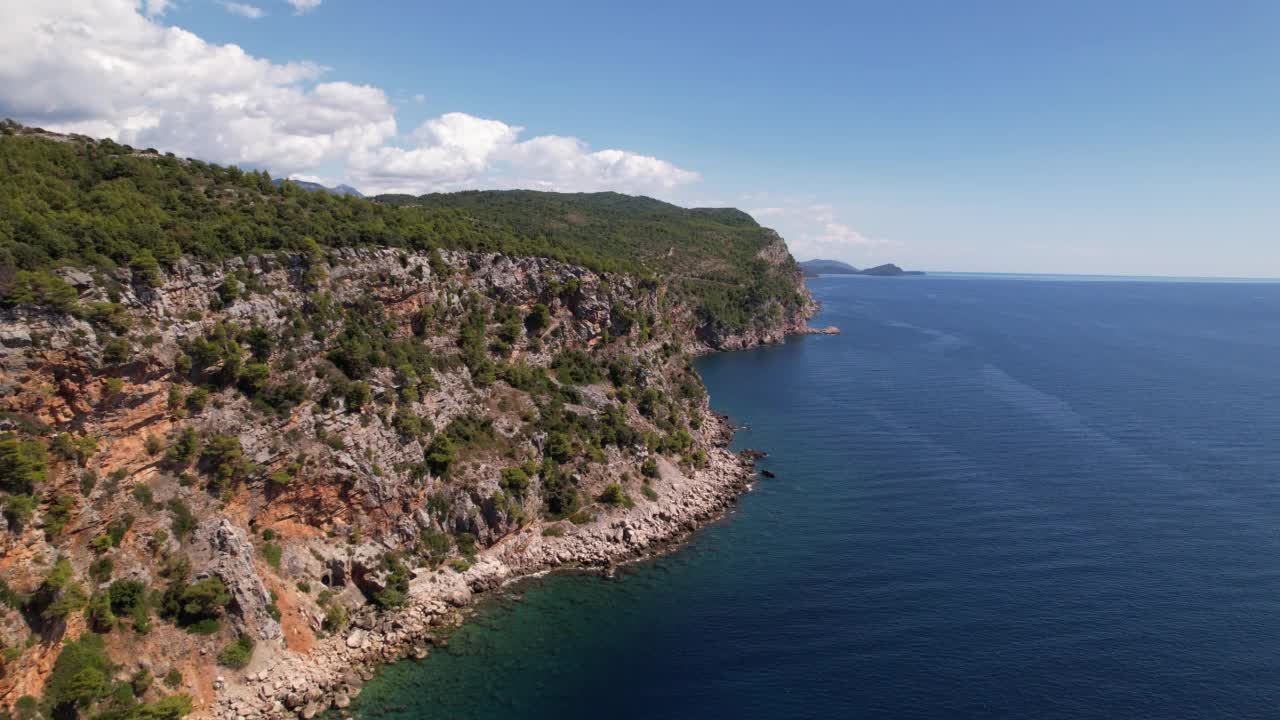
{"x": 1138, "y": 137}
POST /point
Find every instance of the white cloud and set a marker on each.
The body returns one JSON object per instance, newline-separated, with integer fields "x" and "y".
{"x": 814, "y": 230}
{"x": 419, "y": 98}
{"x": 253, "y": 12}
{"x": 457, "y": 151}
{"x": 302, "y": 6}
{"x": 111, "y": 68}
{"x": 104, "y": 69}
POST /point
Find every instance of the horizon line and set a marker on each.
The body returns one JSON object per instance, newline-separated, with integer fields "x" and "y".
{"x": 1103, "y": 276}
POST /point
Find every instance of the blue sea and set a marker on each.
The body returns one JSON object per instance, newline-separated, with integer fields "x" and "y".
{"x": 996, "y": 497}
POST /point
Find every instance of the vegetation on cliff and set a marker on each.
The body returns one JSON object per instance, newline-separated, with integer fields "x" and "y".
{"x": 247, "y": 416}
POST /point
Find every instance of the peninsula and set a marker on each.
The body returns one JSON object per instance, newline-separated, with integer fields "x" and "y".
{"x": 255, "y": 440}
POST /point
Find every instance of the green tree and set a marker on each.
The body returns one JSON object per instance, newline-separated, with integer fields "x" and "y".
{"x": 116, "y": 351}
{"x": 559, "y": 447}
{"x": 224, "y": 457}
{"x": 24, "y": 464}
{"x": 515, "y": 482}
{"x": 146, "y": 270}
{"x": 126, "y": 596}
{"x": 98, "y": 612}
{"x": 202, "y": 600}
{"x": 80, "y": 675}
{"x": 183, "y": 449}
{"x": 182, "y": 521}
{"x": 357, "y": 396}
{"x": 18, "y": 509}
{"x": 441, "y": 454}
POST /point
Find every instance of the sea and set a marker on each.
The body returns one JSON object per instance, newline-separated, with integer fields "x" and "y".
{"x": 995, "y": 497}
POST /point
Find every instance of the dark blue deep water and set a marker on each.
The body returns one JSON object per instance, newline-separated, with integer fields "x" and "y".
{"x": 996, "y": 497}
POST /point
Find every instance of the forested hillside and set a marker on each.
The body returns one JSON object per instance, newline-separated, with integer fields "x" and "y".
{"x": 98, "y": 204}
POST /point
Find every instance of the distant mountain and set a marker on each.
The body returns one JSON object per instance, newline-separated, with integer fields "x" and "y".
{"x": 813, "y": 268}
{"x": 317, "y": 187}
{"x": 889, "y": 270}
{"x": 345, "y": 190}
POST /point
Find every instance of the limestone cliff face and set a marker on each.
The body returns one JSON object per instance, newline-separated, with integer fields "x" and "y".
{"x": 325, "y": 435}
{"x": 778, "y": 319}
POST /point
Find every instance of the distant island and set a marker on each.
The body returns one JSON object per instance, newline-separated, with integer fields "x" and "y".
{"x": 814, "y": 268}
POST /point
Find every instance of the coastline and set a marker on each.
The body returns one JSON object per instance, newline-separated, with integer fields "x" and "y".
{"x": 336, "y": 668}
{"x": 333, "y": 672}
{"x": 295, "y": 669}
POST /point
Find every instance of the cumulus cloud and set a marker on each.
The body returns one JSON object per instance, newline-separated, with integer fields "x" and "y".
{"x": 253, "y": 12}
{"x": 112, "y": 68}
{"x": 302, "y": 6}
{"x": 457, "y": 150}
{"x": 104, "y": 68}
{"x": 814, "y": 230}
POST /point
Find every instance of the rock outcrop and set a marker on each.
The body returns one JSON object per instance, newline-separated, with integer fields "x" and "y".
{"x": 223, "y": 551}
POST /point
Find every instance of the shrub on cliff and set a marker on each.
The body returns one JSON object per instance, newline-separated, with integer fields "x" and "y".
{"x": 126, "y": 596}
{"x": 57, "y": 514}
{"x": 574, "y": 367}
{"x": 146, "y": 270}
{"x": 224, "y": 458}
{"x": 237, "y": 654}
{"x": 115, "y": 351}
{"x": 538, "y": 319}
{"x": 558, "y": 447}
{"x": 98, "y": 614}
{"x": 434, "y": 546}
{"x": 184, "y": 448}
{"x": 59, "y": 594}
{"x": 40, "y": 287}
{"x": 182, "y": 521}
{"x": 395, "y": 591}
{"x": 101, "y": 568}
{"x": 407, "y": 423}
{"x": 171, "y": 707}
{"x": 441, "y": 454}
{"x": 272, "y": 554}
{"x": 560, "y": 497}
{"x": 335, "y": 618}
{"x": 196, "y": 606}
{"x": 18, "y": 510}
{"x": 615, "y": 496}
{"x": 515, "y": 482}
{"x": 24, "y": 464}
{"x": 649, "y": 468}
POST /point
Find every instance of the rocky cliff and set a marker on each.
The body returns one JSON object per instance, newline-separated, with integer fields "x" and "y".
{"x": 254, "y": 479}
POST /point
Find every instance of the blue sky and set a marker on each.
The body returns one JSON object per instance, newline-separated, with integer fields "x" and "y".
{"x": 1135, "y": 138}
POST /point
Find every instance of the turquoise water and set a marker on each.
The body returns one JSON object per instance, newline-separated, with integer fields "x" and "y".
{"x": 995, "y": 497}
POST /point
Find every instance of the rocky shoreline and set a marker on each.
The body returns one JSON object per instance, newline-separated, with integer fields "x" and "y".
{"x": 329, "y": 500}
{"x": 333, "y": 672}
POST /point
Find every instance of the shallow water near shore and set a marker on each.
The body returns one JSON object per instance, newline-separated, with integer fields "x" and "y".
{"x": 995, "y": 497}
